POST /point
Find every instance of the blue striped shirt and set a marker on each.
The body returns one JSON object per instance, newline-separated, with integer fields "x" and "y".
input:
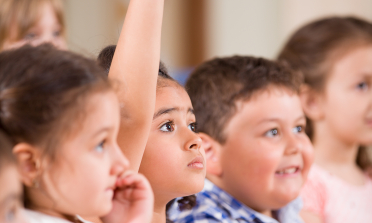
{"x": 215, "y": 205}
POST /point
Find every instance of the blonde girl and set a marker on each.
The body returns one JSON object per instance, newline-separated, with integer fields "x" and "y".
{"x": 335, "y": 55}
{"x": 33, "y": 22}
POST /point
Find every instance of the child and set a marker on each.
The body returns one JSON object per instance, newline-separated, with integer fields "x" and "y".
{"x": 33, "y": 22}
{"x": 63, "y": 116}
{"x": 11, "y": 187}
{"x": 335, "y": 55}
{"x": 252, "y": 127}
{"x": 173, "y": 160}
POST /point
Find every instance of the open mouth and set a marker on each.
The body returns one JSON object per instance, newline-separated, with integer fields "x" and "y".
{"x": 288, "y": 171}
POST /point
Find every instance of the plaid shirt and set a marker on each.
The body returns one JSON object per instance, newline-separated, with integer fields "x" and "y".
{"x": 215, "y": 205}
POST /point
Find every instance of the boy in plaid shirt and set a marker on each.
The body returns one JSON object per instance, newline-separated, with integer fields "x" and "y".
{"x": 252, "y": 125}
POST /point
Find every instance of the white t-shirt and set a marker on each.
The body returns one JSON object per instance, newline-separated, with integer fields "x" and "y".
{"x": 37, "y": 217}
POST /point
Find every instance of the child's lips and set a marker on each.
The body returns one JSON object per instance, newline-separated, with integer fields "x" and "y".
{"x": 197, "y": 163}
{"x": 288, "y": 171}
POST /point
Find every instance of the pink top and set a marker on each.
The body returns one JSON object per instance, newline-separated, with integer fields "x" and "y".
{"x": 335, "y": 200}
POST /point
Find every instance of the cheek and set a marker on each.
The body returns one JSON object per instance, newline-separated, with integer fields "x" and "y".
{"x": 256, "y": 160}
{"x": 77, "y": 181}
{"x": 160, "y": 161}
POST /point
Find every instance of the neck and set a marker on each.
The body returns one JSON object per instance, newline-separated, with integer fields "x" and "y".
{"x": 219, "y": 182}
{"x": 39, "y": 201}
{"x": 336, "y": 155}
{"x": 159, "y": 215}
{"x": 331, "y": 150}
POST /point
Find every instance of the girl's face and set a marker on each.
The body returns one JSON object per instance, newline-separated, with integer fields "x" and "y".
{"x": 46, "y": 30}
{"x": 82, "y": 179}
{"x": 173, "y": 161}
{"x": 10, "y": 196}
{"x": 348, "y": 97}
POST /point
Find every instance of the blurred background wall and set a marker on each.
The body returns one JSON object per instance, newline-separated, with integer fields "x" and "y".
{"x": 195, "y": 30}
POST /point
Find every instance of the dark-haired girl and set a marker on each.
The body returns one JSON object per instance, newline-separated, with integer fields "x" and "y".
{"x": 174, "y": 160}
{"x": 64, "y": 117}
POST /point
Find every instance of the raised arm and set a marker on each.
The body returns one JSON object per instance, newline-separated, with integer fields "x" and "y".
{"x": 135, "y": 65}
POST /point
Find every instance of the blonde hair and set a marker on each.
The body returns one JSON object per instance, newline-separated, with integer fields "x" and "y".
{"x": 21, "y": 15}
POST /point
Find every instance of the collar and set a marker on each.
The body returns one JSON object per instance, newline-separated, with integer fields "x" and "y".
{"x": 236, "y": 209}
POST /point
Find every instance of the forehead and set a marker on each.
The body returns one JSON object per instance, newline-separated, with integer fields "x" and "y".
{"x": 172, "y": 95}
{"x": 272, "y": 103}
{"x": 100, "y": 110}
{"x": 353, "y": 64}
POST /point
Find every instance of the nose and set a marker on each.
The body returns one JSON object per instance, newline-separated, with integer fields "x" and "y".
{"x": 119, "y": 162}
{"x": 294, "y": 144}
{"x": 193, "y": 141}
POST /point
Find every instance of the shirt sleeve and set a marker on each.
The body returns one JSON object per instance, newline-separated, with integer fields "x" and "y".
{"x": 314, "y": 195}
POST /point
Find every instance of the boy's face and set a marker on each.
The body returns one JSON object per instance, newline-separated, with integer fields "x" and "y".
{"x": 267, "y": 155}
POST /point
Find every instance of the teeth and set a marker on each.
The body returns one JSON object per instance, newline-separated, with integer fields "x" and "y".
{"x": 287, "y": 171}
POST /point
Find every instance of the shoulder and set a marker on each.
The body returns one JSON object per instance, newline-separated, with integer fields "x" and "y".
{"x": 37, "y": 217}
{"x": 206, "y": 210}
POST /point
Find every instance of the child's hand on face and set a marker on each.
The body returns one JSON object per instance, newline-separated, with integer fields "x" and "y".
{"x": 133, "y": 200}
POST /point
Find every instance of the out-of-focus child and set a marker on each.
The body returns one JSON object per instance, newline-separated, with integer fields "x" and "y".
{"x": 33, "y": 22}
{"x": 335, "y": 56}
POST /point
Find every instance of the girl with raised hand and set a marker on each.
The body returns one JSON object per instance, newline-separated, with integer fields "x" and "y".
{"x": 335, "y": 56}
{"x": 31, "y": 22}
{"x": 63, "y": 116}
{"x": 174, "y": 160}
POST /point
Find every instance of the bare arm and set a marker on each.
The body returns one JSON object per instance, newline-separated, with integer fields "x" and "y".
{"x": 135, "y": 65}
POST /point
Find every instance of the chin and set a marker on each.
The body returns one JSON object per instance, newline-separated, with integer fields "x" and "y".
{"x": 285, "y": 198}
{"x": 193, "y": 186}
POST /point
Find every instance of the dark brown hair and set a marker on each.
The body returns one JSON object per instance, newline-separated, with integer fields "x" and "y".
{"x": 6, "y": 155}
{"x": 42, "y": 89}
{"x": 106, "y": 55}
{"x": 216, "y": 85}
{"x": 314, "y": 48}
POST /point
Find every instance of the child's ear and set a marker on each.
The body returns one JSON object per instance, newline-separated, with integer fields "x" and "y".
{"x": 311, "y": 103}
{"x": 212, "y": 155}
{"x": 29, "y": 162}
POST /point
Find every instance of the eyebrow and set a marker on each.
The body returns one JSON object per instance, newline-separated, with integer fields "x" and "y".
{"x": 276, "y": 119}
{"x": 104, "y": 129}
{"x": 164, "y": 111}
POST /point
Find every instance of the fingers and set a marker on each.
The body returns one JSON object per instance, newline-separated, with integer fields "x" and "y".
{"x": 135, "y": 185}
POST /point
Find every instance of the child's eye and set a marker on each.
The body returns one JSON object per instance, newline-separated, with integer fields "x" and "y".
{"x": 362, "y": 86}
{"x": 298, "y": 129}
{"x": 30, "y": 36}
{"x": 193, "y": 126}
{"x": 100, "y": 147}
{"x": 272, "y": 133}
{"x": 167, "y": 127}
